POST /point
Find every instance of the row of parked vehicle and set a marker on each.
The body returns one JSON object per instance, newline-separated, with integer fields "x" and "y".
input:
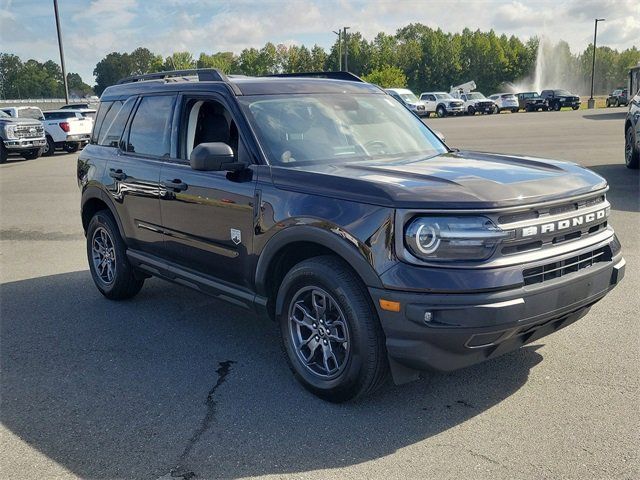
{"x": 464, "y": 100}
{"x": 29, "y": 132}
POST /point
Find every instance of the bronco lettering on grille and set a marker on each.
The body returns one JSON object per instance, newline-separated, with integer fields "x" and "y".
{"x": 559, "y": 225}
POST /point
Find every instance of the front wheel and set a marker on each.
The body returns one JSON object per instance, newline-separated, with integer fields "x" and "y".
{"x": 471, "y": 110}
{"x": 575, "y": 107}
{"x": 3, "y": 153}
{"x": 556, "y": 107}
{"x": 32, "y": 154}
{"x": 631, "y": 153}
{"x": 330, "y": 330}
{"x": 514, "y": 110}
{"x": 111, "y": 271}
{"x": 441, "y": 112}
{"x": 49, "y": 148}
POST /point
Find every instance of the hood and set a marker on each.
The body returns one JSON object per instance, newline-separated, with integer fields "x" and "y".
{"x": 21, "y": 121}
{"x": 451, "y": 180}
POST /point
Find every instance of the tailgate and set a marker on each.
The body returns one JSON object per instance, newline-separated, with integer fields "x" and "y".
{"x": 80, "y": 126}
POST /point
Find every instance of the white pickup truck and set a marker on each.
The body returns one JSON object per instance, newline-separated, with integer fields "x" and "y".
{"x": 66, "y": 129}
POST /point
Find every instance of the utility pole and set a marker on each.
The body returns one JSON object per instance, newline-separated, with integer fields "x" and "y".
{"x": 592, "y": 103}
{"x": 64, "y": 70}
{"x": 339, "y": 33}
{"x": 346, "y": 48}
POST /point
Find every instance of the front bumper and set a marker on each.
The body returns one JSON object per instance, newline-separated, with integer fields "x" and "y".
{"x": 464, "y": 329}
{"x": 24, "y": 143}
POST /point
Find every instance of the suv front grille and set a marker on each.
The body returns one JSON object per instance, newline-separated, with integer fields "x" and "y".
{"x": 29, "y": 131}
{"x": 558, "y": 269}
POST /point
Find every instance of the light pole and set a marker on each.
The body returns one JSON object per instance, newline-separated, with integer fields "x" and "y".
{"x": 346, "y": 48}
{"x": 64, "y": 71}
{"x": 339, "y": 33}
{"x": 592, "y": 103}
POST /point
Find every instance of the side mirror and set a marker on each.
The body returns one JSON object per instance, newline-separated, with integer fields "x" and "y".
{"x": 440, "y": 135}
{"x": 216, "y": 156}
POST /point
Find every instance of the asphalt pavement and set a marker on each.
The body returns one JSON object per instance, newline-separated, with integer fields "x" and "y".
{"x": 174, "y": 384}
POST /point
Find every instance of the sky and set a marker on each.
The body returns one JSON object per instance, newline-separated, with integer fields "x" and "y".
{"x": 93, "y": 28}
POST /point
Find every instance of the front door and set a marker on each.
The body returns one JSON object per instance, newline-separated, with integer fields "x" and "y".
{"x": 208, "y": 217}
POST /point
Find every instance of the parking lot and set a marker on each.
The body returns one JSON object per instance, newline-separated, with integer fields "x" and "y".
{"x": 176, "y": 384}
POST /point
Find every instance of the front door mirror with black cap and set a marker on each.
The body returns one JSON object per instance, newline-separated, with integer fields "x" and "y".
{"x": 216, "y": 156}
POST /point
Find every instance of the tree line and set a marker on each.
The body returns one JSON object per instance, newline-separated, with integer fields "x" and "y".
{"x": 416, "y": 56}
{"x": 33, "y": 79}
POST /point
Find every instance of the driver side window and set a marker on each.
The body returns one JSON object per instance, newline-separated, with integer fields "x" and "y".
{"x": 207, "y": 121}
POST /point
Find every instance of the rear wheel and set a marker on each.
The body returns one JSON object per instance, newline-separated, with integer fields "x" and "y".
{"x": 71, "y": 147}
{"x": 111, "y": 271}
{"x": 330, "y": 330}
{"x": 631, "y": 153}
{"x": 50, "y": 147}
{"x": 441, "y": 111}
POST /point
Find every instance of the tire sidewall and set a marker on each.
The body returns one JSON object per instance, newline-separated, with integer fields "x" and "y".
{"x": 304, "y": 276}
{"x": 49, "y": 149}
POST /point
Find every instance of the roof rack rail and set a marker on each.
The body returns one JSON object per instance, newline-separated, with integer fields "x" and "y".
{"x": 348, "y": 76}
{"x": 203, "y": 74}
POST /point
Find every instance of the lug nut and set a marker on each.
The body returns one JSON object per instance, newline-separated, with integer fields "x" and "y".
{"x": 325, "y": 342}
{"x": 317, "y": 337}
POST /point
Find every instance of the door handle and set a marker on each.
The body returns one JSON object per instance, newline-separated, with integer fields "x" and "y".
{"x": 117, "y": 174}
{"x": 176, "y": 185}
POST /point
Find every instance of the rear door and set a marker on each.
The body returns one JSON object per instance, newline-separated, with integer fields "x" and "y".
{"x": 208, "y": 217}
{"x": 430, "y": 102}
{"x": 141, "y": 135}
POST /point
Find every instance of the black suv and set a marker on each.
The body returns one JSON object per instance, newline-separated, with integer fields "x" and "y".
{"x": 532, "y": 102}
{"x": 556, "y": 99}
{"x": 332, "y": 209}
{"x": 618, "y": 98}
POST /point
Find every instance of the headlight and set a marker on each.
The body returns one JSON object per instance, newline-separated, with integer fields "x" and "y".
{"x": 10, "y": 131}
{"x": 453, "y": 238}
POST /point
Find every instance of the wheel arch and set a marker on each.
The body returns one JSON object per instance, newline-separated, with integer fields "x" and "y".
{"x": 298, "y": 243}
{"x": 94, "y": 200}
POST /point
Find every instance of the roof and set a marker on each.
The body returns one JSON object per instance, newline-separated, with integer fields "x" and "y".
{"x": 240, "y": 85}
{"x": 71, "y": 110}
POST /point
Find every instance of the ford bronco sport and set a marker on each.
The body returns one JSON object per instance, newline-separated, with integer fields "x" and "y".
{"x": 332, "y": 209}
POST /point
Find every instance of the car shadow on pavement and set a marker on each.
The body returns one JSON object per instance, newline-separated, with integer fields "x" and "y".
{"x": 624, "y": 186}
{"x": 174, "y": 383}
{"x": 619, "y": 115}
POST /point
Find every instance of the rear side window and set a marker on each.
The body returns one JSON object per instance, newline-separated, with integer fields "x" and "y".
{"x": 114, "y": 124}
{"x": 106, "y": 114}
{"x": 151, "y": 127}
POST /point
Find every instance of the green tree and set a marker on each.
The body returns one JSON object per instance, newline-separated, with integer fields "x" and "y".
{"x": 179, "y": 61}
{"x": 144, "y": 61}
{"x": 387, "y": 77}
{"x": 110, "y": 69}
{"x": 223, "y": 61}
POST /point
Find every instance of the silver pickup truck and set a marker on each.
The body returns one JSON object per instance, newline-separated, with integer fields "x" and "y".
{"x": 23, "y": 135}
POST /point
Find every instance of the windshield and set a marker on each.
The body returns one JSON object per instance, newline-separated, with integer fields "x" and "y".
{"x": 297, "y": 130}
{"x": 475, "y": 96}
{"x": 4, "y": 115}
{"x": 30, "y": 112}
{"x": 443, "y": 96}
{"x": 408, "y": 97}
{"x": 562, "y": 92}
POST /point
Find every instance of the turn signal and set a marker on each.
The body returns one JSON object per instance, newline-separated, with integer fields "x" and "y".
{"x": 389, "y": 305}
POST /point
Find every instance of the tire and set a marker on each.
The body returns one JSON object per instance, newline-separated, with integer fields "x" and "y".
{"x": 529, "y": 108}
{"x": 555, "y": 106}
{"x": 471, "y": 110}
{"x": 514, "y": 110}
{"x": 352, "y": 371}
{"x": 103, "y": 235}
{"x": 575, "y": 107}
{"x": 50, "y": 148}
{"x": 32, "y": 154}
{"x": 631, "y": 153}
{"x": 3, "y": 153}
{"x": 71, "y": 147}
{"x": 441, "y": 112}
{"x": 608, "y": 103}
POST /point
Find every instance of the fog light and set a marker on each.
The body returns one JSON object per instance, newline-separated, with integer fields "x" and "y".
{"x": 428, "y": 317}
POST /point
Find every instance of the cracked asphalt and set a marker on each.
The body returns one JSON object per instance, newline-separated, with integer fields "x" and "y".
{"x": 173, "y": 384}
